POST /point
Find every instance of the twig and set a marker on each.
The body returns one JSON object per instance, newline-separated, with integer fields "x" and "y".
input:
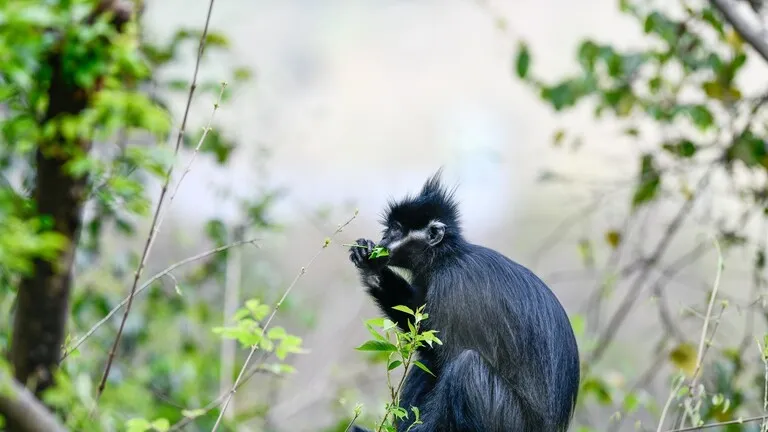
{"x": 702, "y": 341}
{"x": 255, "y": 369}
{"x": 719, "y": 424}
{"x": 634, "y": 291}
{"x": 707, "y": 318}
{"x": 158, "y": 215}
{"x": 668, "y": 404}
{"x": 231, "y": 298}
{"x": 147, "y": 284}
{"x": 351, "y": 422}
{"x": 231, "y": 393}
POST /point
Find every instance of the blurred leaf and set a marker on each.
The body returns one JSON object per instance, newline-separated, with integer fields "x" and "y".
{"x": 748, "y": 148}
{"x": 683, "y": 357}
{"x": 585, "y": 252}
{"x": 523, "y": 62}
{"x": 376, "y": 345}
{"x": 597, "y": 388}
{"x": 683, "y": 148}
{"x": 579, "y": 325}
{"x": 613, "y": 238}
{"x": 648, "y": 183}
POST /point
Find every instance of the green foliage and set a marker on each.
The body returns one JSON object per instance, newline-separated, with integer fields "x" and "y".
{"x": 249, "y": 332}
{"x": 680, "y": 95}
{"x": 378, "y": 252}
{"x": 400, "y": 348}
{"x": 118, "y": 104}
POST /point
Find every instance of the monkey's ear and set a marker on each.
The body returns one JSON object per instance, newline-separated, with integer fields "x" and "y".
{"x": 435, "y": 233}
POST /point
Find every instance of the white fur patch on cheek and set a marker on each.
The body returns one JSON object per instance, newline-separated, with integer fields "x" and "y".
{"x": 396, "y": 244}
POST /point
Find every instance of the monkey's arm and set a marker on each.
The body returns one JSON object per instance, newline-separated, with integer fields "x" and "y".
{"x": 389, "y": 290}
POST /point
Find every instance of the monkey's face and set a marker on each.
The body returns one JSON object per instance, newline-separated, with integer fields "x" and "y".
{"x": 410, "y": 246}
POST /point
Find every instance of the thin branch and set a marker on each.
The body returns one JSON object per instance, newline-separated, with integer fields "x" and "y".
{"x": 703, "y": 346}
{"x": 668, "y": 274}
{"x": 712, "y": 298}
{"x": 157, "y": 219}
{"x": 254, "y": 370}
{"x": 22, "y": 408}
{"x": 288, "y": 290}
{"x": 634, "y": 291}
{"x": 720, "y": 424}
{"x": 147, "y": 284}
{"x": 668, "y": 404}
{"x": 231, "y": 299}
{"x": 751, "y": 34}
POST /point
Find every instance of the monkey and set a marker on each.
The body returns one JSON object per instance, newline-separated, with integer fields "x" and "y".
{"x": 509, "y": 361}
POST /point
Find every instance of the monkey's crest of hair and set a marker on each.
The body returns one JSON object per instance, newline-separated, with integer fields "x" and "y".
{"x": 435, "y": 202}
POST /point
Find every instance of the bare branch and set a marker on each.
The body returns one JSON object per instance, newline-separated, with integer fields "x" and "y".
{"x": 147, "y": 284}
{"x": 301, "y": 273}
{"x": 636, "y": 289}
{"x": 24, "y": 410}
{"x": 752, "y": 34}
{"x": 158, "y": 215}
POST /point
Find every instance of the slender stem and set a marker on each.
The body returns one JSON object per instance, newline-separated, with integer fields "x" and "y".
{"x": 254, "y": 348}
{"x": 146, "y": 285}
{"x": 157, "y": 218}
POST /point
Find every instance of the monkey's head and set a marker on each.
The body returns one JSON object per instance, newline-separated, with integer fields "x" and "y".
{"x": 420, "y": 228}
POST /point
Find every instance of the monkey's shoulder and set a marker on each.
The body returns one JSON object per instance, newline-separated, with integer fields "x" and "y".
{"x": 482, "y": 265}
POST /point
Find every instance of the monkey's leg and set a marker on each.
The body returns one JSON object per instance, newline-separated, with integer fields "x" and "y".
{"x": 469, "y": 397}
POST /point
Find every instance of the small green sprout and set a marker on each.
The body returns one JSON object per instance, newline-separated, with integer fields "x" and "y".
{"x": 377, "y": 252}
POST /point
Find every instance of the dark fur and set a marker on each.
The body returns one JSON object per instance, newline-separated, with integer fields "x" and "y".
{"x": 509, "y": 360}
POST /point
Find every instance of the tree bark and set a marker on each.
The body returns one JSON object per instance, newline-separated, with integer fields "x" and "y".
{"x": 42, "y": 307}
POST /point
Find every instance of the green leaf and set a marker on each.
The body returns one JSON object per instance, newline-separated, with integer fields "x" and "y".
{"x": 578, "y": 324}
{"x": 523, "y": 62}
{"x": 613, "y": 238}
{"x": 276, "y": 333}
{"x": 748, "y": 148}
{"x": 598, "y": 388}
{"x": 683, "y": 148}
{"x": 649, "y": 182}
{"x": 394, "y": 364}
{"x": 405, "y": 309}
{"x": 421, "y": 366}
{"x": 193, "y": 413}
{"x": 161, "y": 425}
{"x": 378, "y": 252}
{"x": 631, "y": 403}
{"x": 700, "y": 116}
{"x": 377, "y": 345}
{"x": 137, "y": 425}
{"x": 683, "y": 357}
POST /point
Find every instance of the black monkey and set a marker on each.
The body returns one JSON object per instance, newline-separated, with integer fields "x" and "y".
{"x": 509, "y": 360}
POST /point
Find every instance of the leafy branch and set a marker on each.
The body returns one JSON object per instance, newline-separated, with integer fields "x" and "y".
{"x": 401, "y": 347}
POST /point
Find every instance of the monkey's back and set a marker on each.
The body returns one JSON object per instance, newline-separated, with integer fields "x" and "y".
{"x": 481, "y": 300}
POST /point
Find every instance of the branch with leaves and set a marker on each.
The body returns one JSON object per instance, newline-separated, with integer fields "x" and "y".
{"x": 400, "y": 348}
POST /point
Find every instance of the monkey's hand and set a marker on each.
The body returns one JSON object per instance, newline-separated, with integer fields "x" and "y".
{"x": 360, "y": 255}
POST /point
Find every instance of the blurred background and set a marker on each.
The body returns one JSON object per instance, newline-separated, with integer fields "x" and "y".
{"x": 615, "y": 148}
